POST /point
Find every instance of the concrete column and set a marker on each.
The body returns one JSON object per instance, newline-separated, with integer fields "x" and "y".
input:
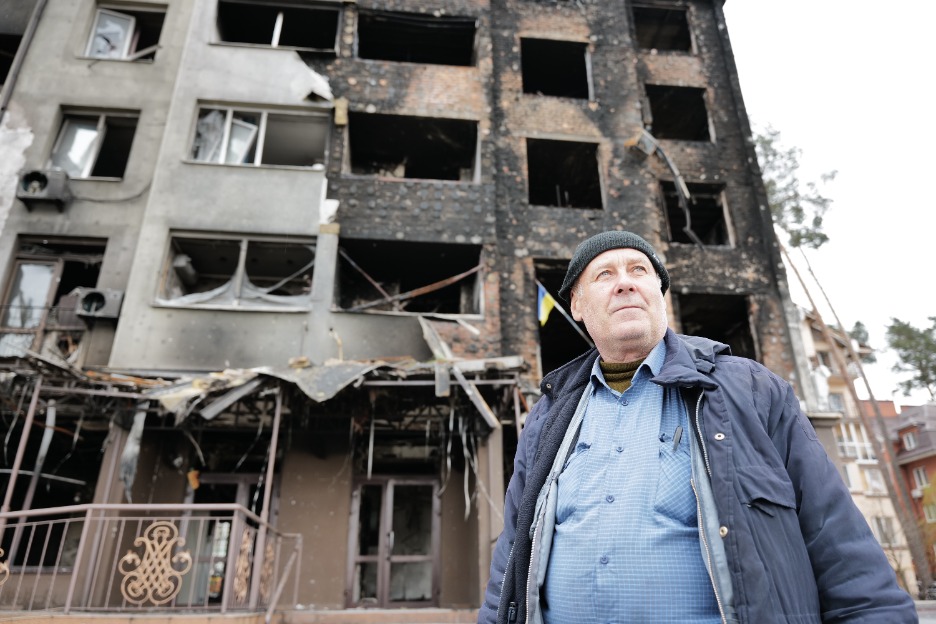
{"x": 490, "y": 518}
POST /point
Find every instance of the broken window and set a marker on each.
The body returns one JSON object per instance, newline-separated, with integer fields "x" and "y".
{"x": 396, "y": 524}
{"x": 725, "y": 318}
{"x": 243, "y": 137}
{"x": 237, "y": 272}
{"x": 278, "y": 25}
{"x": 560, "y": 338}
{"x": 678, "y": 113}
{"x": 416, "y": 38}
{"x": 94, "y": 145}
{"x": 563, "y": 174}
{"x": 38, "y": 310}
{"x": 398, "y": 146}
{"x": 558, "y": 68}
{"x": 61, "y": 464}
{"x": 427, "y": 278}
{"x": 9, "y": 44}
{"x": 126, "y": 35}
{"x": 707, "y": 212}
{"x": 662, "y": 28}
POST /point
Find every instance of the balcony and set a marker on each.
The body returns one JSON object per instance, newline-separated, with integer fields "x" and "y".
{"x": 146, "y": 559}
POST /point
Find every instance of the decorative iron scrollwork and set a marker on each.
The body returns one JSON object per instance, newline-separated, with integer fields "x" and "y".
{"x": 242, "y": 571}
{"x": 4, "y": 569}
{"x": 266, "y": 574}
{"x": 157, "y": 576}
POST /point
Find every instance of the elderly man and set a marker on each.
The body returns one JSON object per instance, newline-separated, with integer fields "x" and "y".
{"x": 660, "y": 479}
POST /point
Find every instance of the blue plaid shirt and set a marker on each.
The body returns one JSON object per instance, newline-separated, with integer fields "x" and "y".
{"x": 626, "y": 544}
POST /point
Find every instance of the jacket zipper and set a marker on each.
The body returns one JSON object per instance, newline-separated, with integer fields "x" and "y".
{"x": 530, "y": 569}
{"x": 513, "y": 606}
{"x": 708, "y": 554}
{"x": 698, "y": 429}
{"x": 702, "y": 534}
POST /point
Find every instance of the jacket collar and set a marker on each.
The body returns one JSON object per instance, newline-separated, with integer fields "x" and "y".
{"x": 689, "y": 361}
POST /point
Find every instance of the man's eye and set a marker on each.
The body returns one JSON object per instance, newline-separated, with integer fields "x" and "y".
{"x": 640, "y": 269}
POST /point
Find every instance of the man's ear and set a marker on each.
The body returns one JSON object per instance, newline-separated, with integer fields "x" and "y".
{"x": 574, "y": 303}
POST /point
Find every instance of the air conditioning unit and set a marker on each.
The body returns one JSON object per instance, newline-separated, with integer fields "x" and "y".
{"x": 916, "y": 493}
{"x": 98, "y": 302}
{"x": 44, "y": 186}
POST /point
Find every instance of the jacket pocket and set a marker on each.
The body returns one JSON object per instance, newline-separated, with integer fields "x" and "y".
{"x": 768, "y": 490}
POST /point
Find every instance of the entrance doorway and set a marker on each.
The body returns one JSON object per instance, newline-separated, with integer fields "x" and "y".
{"x": 211, "y": 533}
{"x": 394, "y": 543}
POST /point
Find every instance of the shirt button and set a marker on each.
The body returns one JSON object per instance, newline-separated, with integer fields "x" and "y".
{"x": 623, "y": 401}
{"x": 619, "y": 449}
{"x": 604, "y": 559}
{"x": 719, "y": 436}
{"x": 723, "y": 531}
{"x": 609, "y": 498}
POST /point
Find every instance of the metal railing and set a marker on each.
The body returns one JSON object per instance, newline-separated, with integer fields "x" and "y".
{"x": 150, "y": 558}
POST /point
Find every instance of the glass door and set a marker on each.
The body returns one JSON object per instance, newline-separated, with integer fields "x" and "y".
{"x": 395, "y": 543}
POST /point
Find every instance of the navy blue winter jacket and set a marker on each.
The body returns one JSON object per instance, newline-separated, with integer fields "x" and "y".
{"x": 797, "y": 548}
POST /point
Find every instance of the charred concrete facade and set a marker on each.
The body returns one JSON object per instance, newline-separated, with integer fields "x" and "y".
{"x": 286, "y": 256}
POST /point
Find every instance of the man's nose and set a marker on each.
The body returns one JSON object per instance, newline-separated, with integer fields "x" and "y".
{"x": 624, "y": 283}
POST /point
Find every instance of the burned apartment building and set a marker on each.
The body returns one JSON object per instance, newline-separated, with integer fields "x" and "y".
{"x": 271, "y": 272}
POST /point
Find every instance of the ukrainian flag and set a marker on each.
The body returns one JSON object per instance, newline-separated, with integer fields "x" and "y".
{"x": 545, "y": 303}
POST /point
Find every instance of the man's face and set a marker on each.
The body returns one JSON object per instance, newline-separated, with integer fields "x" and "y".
{"x": 618, "y": 298}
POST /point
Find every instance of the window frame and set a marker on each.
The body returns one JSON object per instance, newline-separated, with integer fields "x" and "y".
{"x": 69, "y": 117}
{"x": 238, "y": 278}
{"x": 884, "y": 530}
{"x": 929, "y": 512}
{"x": 130, "y": 51}
{"x": 258, "y": 137}
{"x": 909, "y": 440}
{"x": 874, "y": 481}
{"x": 104, "y": 11}
{"x": 278, "y": 25}
{"x": 920, "y": 478}
{"x": 38, "y": 330}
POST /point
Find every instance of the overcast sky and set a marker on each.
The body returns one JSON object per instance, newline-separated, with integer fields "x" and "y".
{"x": 851, "y": 85}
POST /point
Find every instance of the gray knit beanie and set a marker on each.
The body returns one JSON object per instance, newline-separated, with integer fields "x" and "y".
{"x": 591, "y": 248}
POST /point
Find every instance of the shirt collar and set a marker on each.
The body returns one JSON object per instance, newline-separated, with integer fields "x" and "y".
{"x": 650, "y": 367}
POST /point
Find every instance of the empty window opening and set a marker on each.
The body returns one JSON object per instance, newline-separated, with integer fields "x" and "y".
{"x": 267, "y": 24}
{"x": 66, "y": 477}
{"x": 242, "y": 273}
{"x": 38, "y": 311}
{"x": 94, "y": 145}
{"x": 240, "y": 137}
{"x": 563, "y": 174}
{"x": 392, "y": 276}
{"x": 725, "y": 318}
{"x": 125, "y": 35}
{"x": 9, "y": 44}
{"x": 559, "y": 340}
{"x": 662, "y": 29}
{"x": 678, "y": 113}
{"x": 416, "y": 38}
{"x": 397, "y": 146}
{"x": 558, "y": 68}
{"x": 706, "y": 210}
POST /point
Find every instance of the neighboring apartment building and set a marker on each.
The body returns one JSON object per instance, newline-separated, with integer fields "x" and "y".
{"x": 853, "y": 450}
{"x": 914, "y": 438}
{"x": 271, "y": 279}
